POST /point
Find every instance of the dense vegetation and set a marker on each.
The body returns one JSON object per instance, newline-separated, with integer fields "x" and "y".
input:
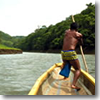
{"x": 6, "y": 39}
{"x": 51, "y": 38}
{"x": 8, "y": 42}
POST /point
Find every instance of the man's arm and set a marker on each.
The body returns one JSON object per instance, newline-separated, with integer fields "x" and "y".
{"x": 80, "y": 39}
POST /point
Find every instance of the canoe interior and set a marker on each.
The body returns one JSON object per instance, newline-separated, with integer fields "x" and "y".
{"x": 54, "y": 84}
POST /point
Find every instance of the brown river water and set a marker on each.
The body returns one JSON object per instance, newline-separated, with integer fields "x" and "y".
{"x": 18, "y": 72}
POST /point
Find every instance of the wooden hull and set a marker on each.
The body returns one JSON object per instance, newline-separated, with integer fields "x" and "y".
{"x": 51, "y": 83}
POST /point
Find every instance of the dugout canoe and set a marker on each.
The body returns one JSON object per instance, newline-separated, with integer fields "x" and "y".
{"x": 51, "y": 83}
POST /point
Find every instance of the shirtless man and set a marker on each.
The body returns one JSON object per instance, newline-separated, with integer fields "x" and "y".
{"x": 71, "y": 39}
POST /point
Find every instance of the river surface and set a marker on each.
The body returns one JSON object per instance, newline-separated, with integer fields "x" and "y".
{"x": 18, "y": 72}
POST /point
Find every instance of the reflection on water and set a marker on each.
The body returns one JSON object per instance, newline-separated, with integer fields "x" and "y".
{"x": 18, "y": 72}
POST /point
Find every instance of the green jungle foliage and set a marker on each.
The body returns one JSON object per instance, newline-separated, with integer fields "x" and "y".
{"x": 8, "y": 42}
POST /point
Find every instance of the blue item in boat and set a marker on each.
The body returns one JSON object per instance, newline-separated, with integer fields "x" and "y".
{"x": 66, "y": 70}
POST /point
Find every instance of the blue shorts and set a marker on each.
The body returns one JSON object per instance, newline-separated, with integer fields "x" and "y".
{"x": 66, "y": 70}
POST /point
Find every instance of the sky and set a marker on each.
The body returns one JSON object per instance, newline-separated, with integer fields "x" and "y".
{"x": 22, "y": 17}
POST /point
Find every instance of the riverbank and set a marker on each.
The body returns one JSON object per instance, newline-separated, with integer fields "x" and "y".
{"x": 87, "y": 51}
{"x": 10, "y": 51}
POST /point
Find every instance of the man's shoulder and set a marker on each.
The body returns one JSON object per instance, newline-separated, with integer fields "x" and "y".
{"x": 67, "y": 31}
{"x": 78, "y": 34}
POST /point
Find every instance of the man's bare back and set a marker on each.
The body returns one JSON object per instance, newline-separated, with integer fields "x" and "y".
{"x": 71, "y": 39}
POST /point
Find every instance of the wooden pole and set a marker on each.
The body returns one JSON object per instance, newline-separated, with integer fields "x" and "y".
{"x": 83, "y": 57}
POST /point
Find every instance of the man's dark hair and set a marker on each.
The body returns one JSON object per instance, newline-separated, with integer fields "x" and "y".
{"x": 74, "y": 26}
